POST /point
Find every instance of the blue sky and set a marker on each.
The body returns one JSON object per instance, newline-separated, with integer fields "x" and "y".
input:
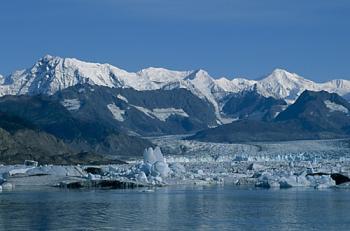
{"x": 225, "y": 37}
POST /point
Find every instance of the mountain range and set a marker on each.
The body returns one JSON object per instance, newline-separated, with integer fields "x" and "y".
{"x": 51, "y": 74}
{"x": 95, "y": 109}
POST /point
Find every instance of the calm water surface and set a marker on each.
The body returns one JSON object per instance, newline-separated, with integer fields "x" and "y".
{"x": 175, "y": 208}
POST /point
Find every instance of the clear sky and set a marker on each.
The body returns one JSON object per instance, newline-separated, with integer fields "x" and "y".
{"x": 225, "y": 37}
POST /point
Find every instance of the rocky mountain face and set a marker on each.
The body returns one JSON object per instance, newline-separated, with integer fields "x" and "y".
{"x": 319, "y": 111}
{"x": 347, "y": 97}
{"x": 314, "y": 115}
{"x": 152, "y": 112}
{"x": 43, "y": 114}
{"x": 250, "y": 104}
{"x": 20, "y": 140}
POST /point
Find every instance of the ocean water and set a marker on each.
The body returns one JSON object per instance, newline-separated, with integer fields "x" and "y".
{"x": 175, "y": 208}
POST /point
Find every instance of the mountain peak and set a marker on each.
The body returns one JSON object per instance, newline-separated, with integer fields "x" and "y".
{"x": 280, "y": 70}
{"x": 282, "y": 74}
{"x": 54, "y": 73}
{"x": 49, "y": 57}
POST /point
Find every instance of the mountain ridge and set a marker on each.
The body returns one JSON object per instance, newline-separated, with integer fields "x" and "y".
{"x": 314, "y": 115}
{"x": 51, "y": 74}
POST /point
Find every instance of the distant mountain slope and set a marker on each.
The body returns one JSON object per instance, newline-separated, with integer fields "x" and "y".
{"x": 347, "y": 97}
{"x": 51, "y": 74}
{"x": 250, "y": 104}
{"x": 255, "y": 131}
{"x": 314, "y": 115}
{"x": 319, "y": 111}
{"x": 48, "y": 115}
{"x": 20, "y": 141}
{"x": 153, "y": 112}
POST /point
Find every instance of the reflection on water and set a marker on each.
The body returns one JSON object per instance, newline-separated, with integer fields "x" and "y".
{"x": 175, "y": 208}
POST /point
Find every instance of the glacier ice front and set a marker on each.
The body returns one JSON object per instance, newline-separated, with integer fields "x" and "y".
{"x": 155, "y": 169}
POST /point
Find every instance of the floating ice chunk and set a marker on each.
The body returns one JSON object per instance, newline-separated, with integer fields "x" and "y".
{"x": 294, "y": 181}
{"x": 158, "y": 179}
{"x": 146, "y": 168}
{"x": 321, "y": 181}
{"x": 151, "y": 156}
{"x": 267, "y": 180}
{"x": 142, "y": 178}
{"x": 148, "y": 156}
{"x": 160, "y": 169}
{"x": 154, "y": 163}
{"x": 155, "y": 180}
{"x": 158, "y": 154}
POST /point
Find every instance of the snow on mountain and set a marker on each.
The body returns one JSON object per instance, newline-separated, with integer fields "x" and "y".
{"x": 339, "y": 86}
{"x": 71, "y": 104}
{"x": 161, "y": 113}
{"x": 117, "y": 113}
{"x": 162, "y": 75}
{"x": 207, "y": 87}
{"x": 51, "y": 74}
{"x": 282, "y": 84}
{"x": 235, "y": 85}
{"x": 285, "y": 85}
{"x": 335, "y": 107}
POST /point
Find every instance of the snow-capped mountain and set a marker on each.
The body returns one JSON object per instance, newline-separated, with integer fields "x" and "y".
{"x": 285, "y": 85}
{"x": 51, "y": 74}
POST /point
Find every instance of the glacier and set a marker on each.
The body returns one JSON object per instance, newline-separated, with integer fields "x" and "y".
{"x": 316, "y": 164}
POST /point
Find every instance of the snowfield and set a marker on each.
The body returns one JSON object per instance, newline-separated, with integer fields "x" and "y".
{"x": 318, "y": 164}
{"x": 336, "y": 107}
{"x": 162, "y": 114}
{"x": 116, "y": 112}
{"x": 71, "y": 104}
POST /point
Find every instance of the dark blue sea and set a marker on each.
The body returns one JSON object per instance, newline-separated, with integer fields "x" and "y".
{"x": 175, "y": 208}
